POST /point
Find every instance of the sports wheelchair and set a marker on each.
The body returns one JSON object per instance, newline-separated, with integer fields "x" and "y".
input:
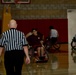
{"x": 73, "y": 48}
{"x": 34, "y": 54}
{"x": 48, "y": 45}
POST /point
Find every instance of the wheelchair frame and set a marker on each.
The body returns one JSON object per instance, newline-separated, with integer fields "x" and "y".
{"x": 33, "y": 53}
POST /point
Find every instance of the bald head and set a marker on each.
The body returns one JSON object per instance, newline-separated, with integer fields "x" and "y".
{"x": 12, "y": 24}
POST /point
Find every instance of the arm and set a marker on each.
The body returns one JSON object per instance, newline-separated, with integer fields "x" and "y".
{"x": 25, "y": 47}
{"x": 1, "y": 49}
{"x": 26, "y": 51}
{"x": 2, "y": 40}
{"x": 27, "y": 60}
{"x": 28, "y": 34}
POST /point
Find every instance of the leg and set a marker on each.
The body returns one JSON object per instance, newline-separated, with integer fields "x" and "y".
{"x": 18, "y": 68}
{"x": 8, "y": 63}
{"x": 9, "y": 69}
{"x": 42, "y": 51}
{"x": 19, "y": 59}
{"x": 38, "y": 50}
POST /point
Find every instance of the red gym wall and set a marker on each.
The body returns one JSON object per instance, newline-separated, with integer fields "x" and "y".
{"x": 43, "y": 26}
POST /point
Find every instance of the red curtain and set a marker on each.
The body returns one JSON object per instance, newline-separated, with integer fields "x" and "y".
{"x": 43, "y": 26}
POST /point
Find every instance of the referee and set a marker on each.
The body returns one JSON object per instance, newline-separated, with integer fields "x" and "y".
{"x": 15, "y": 47}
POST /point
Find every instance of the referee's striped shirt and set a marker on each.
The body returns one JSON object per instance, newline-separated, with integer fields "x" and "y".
{"x": 13, "y": 40}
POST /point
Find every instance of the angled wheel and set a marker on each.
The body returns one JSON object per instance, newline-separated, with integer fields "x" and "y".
{"x": 73, "y": 45}
{"x": 57, "y": 46}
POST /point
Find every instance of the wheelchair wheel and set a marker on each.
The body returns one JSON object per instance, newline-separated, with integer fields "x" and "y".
{"x": 48, "y": 46}
{"x": 73, "y": 45}
{"x": 46, "y": 55}
{"x": 31, "y": 52}
{"x": 43, "y": 59}
{"x": 57, "y": 46}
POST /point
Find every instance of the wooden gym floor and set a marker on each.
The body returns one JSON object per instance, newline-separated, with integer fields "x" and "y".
{"x": 46, "y": 68}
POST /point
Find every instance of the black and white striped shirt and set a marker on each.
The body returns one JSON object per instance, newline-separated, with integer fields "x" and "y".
{"x": 13, "y": 40}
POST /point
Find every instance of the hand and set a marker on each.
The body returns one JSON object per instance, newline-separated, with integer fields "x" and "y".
{"x": 41, "y": 42}
{"x": 27, "y": 60}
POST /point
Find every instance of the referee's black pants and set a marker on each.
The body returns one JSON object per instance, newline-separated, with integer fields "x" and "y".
{"x": 13, "y": 61}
